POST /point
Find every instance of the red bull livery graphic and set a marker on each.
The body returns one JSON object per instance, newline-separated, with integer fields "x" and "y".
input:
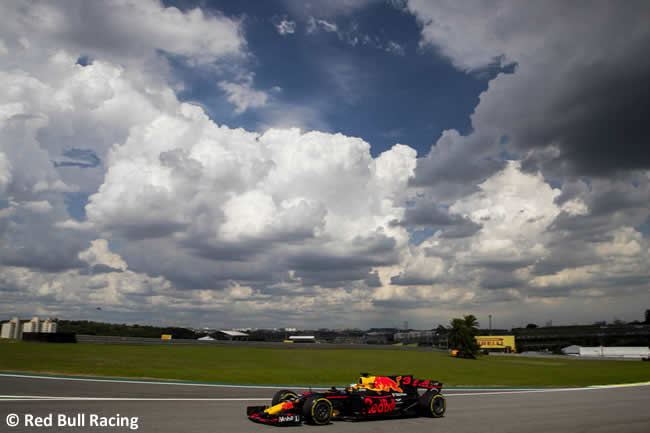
{"x": 385, "y": 383}
{"x": 370, "y": 398}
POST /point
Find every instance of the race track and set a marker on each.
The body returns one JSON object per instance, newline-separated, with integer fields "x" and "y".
{"x": 164, "y": 407}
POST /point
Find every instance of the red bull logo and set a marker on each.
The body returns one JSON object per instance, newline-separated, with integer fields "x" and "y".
{"x": 383, "y": 383}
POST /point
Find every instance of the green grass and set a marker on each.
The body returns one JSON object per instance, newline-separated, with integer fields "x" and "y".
{"x": 307, "y": 366}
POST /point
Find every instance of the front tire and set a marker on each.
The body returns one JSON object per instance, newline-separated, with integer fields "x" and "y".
{"x": 317, "y": 410}
{"x": 432, "y": 404}
{"x": 282, "y": 395}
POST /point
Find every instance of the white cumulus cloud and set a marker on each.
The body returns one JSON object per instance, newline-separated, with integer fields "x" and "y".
{"x": 286, "y": 27}
{"x": 243, "y": 96}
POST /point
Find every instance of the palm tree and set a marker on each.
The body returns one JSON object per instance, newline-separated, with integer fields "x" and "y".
{"x": 462, "y": 336}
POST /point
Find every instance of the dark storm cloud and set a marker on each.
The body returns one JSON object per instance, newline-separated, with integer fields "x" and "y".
{"x": 377, "y": 250}
{"x": 578, "y": 100}
{"x": 314, "y": 262}
{"x": 147, "y": 229}
{"x": 456, "y": 164}
{"x": 224, "y": 251}
{"x": 566, "y": 253}
{"x": 43, "y": 257}
{"x": 99, "y": 269}
{"x": 36, "y": 243}
{"x": 411, "y": 280}
{"x": 329, "y": 269}
{"x": 372, "y": 280}
{"x": 599, "y": 122}
{"x": 404, "y": 304}
{"x": 494, "y": 279}
{"x": 333, "y": 278}
{"x": 425, "y": 213}
{"x": 500, "y": 264}
{"x": 621, "y": 201}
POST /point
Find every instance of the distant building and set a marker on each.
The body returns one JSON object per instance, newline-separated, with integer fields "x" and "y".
{"x": 49, "y": 326}
{"x": 607, "y": 352}
{"x": 571, "y": 350}
{"x": 12, "y": 329}
{"x": 33, "y": 325}
{"x": 412, "y": 337}
{"x": 230, "y": 335}
{"x": 615, "y": 352}
{"x": 7, "y": 330}
{"x": 556, "y": 337}
{"x": 379, "y": 337}
{"x": 15, "y": 328}
{"x": 303, "y": 338}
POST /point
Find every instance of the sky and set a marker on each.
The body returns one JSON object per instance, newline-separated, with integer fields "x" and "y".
{"x": 325, "y": 164}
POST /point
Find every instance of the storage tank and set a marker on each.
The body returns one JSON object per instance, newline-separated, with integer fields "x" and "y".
{"x": 48, "y": 326}
{"x": 7, "y": 330}
{"x": 12, "y": 329}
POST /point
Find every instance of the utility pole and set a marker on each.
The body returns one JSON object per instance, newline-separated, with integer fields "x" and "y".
{"x": 490, "y": 318}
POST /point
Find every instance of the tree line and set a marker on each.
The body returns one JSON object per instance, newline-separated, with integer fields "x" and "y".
{"x": 86, "y": 327}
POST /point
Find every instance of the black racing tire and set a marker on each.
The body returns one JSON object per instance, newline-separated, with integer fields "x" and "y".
{"x": 432, "y": 404}
{"x": 317, "y": 410}
{"x": 282, "y": 395}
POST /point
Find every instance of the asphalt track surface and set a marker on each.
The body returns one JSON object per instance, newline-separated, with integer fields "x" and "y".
{"x": 164, "y": 407}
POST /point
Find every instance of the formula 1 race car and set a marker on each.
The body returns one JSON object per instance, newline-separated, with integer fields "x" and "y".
{"x": 372, "y": 397}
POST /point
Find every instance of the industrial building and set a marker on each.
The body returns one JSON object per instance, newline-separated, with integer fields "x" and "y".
{"x": 553, "y": 338}
{"x": 12, "y": 329}
{"x": 302, "y": 338}
{"x": 230, "y": 335}
{"x": 15, "y": 328}
{"x": 607, "y": 352}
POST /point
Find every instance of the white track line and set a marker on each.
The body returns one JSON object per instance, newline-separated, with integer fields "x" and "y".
{"x": 217, "y": 385}
{"x": 489, "y": 391}
{"x": 528, "y": 391}
{"x": 48, "y": 398}
{"x": 145, "y": 382}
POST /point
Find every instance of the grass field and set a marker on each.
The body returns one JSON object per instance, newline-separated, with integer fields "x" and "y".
{"x": 307, "y": 366}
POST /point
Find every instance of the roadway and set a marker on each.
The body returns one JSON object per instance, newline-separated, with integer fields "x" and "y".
{"x": 167, "y": 407}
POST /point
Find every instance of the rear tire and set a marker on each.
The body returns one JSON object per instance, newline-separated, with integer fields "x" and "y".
{"x": 317, "y": 410}
{"x": 282, "y": 395}
{"x": 432, "y": 404}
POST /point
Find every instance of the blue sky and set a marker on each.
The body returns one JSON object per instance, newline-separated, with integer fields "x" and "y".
{"x": 359, "y": 90}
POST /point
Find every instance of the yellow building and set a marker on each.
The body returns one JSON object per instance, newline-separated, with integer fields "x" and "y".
{"x": 497, "y": 342}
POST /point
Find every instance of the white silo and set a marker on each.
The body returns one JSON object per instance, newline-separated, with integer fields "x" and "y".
{"x": 17, "y": 330}
{"x": 33, "y": 325}
{"x": 48, "y": 326}
{"x": 7, "y": 330}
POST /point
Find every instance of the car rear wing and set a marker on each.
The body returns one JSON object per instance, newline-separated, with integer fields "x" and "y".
{"x": 420, "y": 383}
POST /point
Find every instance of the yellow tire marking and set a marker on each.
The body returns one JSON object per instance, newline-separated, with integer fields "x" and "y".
{"x": 444, "y": 405}
{"x": 314, "y": 407}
